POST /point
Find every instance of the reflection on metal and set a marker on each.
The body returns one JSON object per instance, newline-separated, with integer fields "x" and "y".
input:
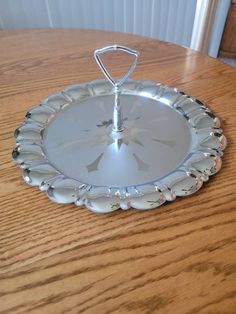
{"x": 202, "y": 161}
{"x": 118, "y": 122}
{"x": 73, "y": 150}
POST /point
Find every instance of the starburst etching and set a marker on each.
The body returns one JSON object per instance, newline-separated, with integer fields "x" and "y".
{"x": 94, "y": 165}
{"x": 100, "y": 136}
{"x": 165, "y": 142}
{"x": 142, "y": 166}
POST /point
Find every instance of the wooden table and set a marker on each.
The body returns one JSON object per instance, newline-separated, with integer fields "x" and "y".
{"x": 179, "y": 258}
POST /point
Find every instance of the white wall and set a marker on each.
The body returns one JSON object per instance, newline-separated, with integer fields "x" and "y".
{"x": 169, "y": 20}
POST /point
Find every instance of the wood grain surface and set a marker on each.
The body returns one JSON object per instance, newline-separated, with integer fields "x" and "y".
{"x": 179, "y": 258}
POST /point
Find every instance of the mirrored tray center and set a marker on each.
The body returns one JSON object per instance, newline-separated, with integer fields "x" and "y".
{"x": 79, "y": 141}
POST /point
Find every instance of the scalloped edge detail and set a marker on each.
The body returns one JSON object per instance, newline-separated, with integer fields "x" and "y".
{"x": 202, "y": 162}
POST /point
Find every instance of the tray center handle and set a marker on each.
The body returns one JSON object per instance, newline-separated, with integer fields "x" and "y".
{"x": 118, "y": 125}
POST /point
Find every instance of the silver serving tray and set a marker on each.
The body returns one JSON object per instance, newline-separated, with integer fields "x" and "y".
{"x": 79, "y": 149}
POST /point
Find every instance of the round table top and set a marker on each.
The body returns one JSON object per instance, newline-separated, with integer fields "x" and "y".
{"x": 179, "y": 258}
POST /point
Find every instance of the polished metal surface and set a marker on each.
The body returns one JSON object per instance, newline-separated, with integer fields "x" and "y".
{"x": 155, "y": 141}
{"x": 168, "y": 145}
{"x": 118, "y": 123}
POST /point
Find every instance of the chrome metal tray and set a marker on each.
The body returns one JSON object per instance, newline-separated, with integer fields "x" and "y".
{"x": 155, "y": 144}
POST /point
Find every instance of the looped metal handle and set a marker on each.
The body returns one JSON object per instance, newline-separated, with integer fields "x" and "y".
{"x": 117, "y": 112}
{"x": 116, "y": 83}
